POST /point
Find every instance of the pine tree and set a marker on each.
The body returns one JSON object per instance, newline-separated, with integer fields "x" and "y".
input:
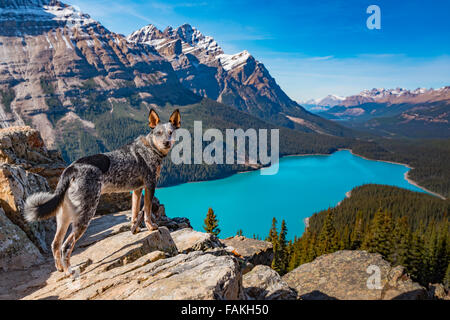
{"x": 327, "y": 236}
{"x": 400, "y": 254}
{"x": 379, "y": 238}
{"x": 211, "y": 223}
{"x": 447, "y": 278}
{"x": 281, "y": 255}
{"x": 356, "y": 237}
{"x": 417, "y": 257}
{"x": 273, "y": 233}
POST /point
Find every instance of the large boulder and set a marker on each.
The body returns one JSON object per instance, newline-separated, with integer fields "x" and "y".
{"x": 264, "y": 283}
{"x": 16, "y": 250}
{"x": 352, "y": 275}
{"x": 251, "y": 251}
{"x": 188, "y": 240}
{"x": 16, "y": 184}
{"x": 23, "y": 146}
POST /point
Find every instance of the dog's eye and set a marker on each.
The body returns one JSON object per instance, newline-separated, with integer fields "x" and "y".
{"x": 159, "y": 133}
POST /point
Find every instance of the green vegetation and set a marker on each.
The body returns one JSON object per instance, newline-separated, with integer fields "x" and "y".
{"x": 211, "y": 223}
{"x": 407, "y": 228}
{"x": 75, "y": 142}
{"x": 55, "y": 108}
{"x": 89, "y": 84}
{"x": 7, "y": 96}
{"x": 280, "y": 247}
{"x": 47, "y": 86}
{"x": 428, "y": 158}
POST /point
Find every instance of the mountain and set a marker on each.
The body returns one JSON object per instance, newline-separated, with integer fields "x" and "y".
{"x": 59, "y": 67}
{"x": 317, "y": 105}
{"x": 238, "y": 80}
{"x": 420, "y": 113}
{"x": 71, "y": 78}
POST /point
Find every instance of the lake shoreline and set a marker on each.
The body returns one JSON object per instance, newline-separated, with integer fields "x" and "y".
{"x": 406, "y": 175}
{"x": 347, "y": 195}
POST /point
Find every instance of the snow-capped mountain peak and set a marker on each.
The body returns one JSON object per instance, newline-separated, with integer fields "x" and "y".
{"x": 204, "y": 48}
{"x": 37, "y": 16}
{"x": 330, "y": 100}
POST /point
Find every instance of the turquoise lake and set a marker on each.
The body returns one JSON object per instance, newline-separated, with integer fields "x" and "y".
{"x": 303, "y": 185}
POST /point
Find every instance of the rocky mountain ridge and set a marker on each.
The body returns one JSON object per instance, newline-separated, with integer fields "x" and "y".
{"x": 382, "y": 95}
{"x": 419, "y": 113}
{"x": 238, "y": 80}
{"x": 59, "y": 63}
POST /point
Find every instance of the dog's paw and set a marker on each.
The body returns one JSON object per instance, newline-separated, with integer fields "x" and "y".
{"x": 151, "y": 226}
{"x": 59, "y": 267}
{"x": 135, "y": 229}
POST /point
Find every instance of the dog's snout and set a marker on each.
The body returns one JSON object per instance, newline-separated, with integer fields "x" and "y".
{"x": 167, "y": 144}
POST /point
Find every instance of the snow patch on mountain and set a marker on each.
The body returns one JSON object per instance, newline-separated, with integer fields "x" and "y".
{"x": 231, "y": 61}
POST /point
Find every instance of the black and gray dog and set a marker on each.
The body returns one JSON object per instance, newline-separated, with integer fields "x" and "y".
{"x": 130, "y": 168}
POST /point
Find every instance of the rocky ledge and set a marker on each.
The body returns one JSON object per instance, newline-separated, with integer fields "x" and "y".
{"x": 353, "y": 275}
{"x": 111, "y": 263}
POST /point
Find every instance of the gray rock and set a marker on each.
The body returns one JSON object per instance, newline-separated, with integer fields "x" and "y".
{"x": 123, "y": 266}
{"x": 16, "y": 184}
{"x": 264, "y": 283}
{"x": 105, "y": 226}
{"x": 251, "y": 251}
{"x": 351, "y": 275}
{"x": 188, "y": 240}
{"x": 16, "y": 250}
{"x": 436, "y": 291}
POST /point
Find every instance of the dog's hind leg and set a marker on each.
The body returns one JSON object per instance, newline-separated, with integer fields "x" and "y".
{"x": 63, "y": 220}
{"x": 84, "y": 200}
{"x": 135, "y": 208}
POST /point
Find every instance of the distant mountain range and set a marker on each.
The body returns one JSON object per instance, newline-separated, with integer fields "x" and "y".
{"x": 419, "y": 113}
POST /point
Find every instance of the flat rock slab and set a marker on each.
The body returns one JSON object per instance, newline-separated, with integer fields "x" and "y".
{"x": 196, "y": 275}
{"x": 188, "y": 240}
{"x": 251, "y": 250}
{"x": 93, "y": 262}
{"x": 264, "y": 283}
{"x": 352, "y": 275}
{"x": 102, "y": 227}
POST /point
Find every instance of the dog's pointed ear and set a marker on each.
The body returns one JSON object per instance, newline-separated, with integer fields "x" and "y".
{"x": 153, "y": 119}
{"x": 175, "y": 119}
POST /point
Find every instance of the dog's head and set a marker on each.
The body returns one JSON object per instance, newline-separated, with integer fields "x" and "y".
{"x": 163, "y": 134}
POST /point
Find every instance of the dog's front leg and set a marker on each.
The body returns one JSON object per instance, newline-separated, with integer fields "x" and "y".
{"x": 135, "y": 208}
{"x": 148, "y": 198}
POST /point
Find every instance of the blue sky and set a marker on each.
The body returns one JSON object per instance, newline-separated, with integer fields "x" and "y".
{"x": 312, "y": 48}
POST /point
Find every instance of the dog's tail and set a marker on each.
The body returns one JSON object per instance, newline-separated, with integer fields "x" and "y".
{"x": 44, "y": 205}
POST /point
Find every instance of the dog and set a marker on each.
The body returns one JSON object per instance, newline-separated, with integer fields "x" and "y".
{"x": 131, "y": 168}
